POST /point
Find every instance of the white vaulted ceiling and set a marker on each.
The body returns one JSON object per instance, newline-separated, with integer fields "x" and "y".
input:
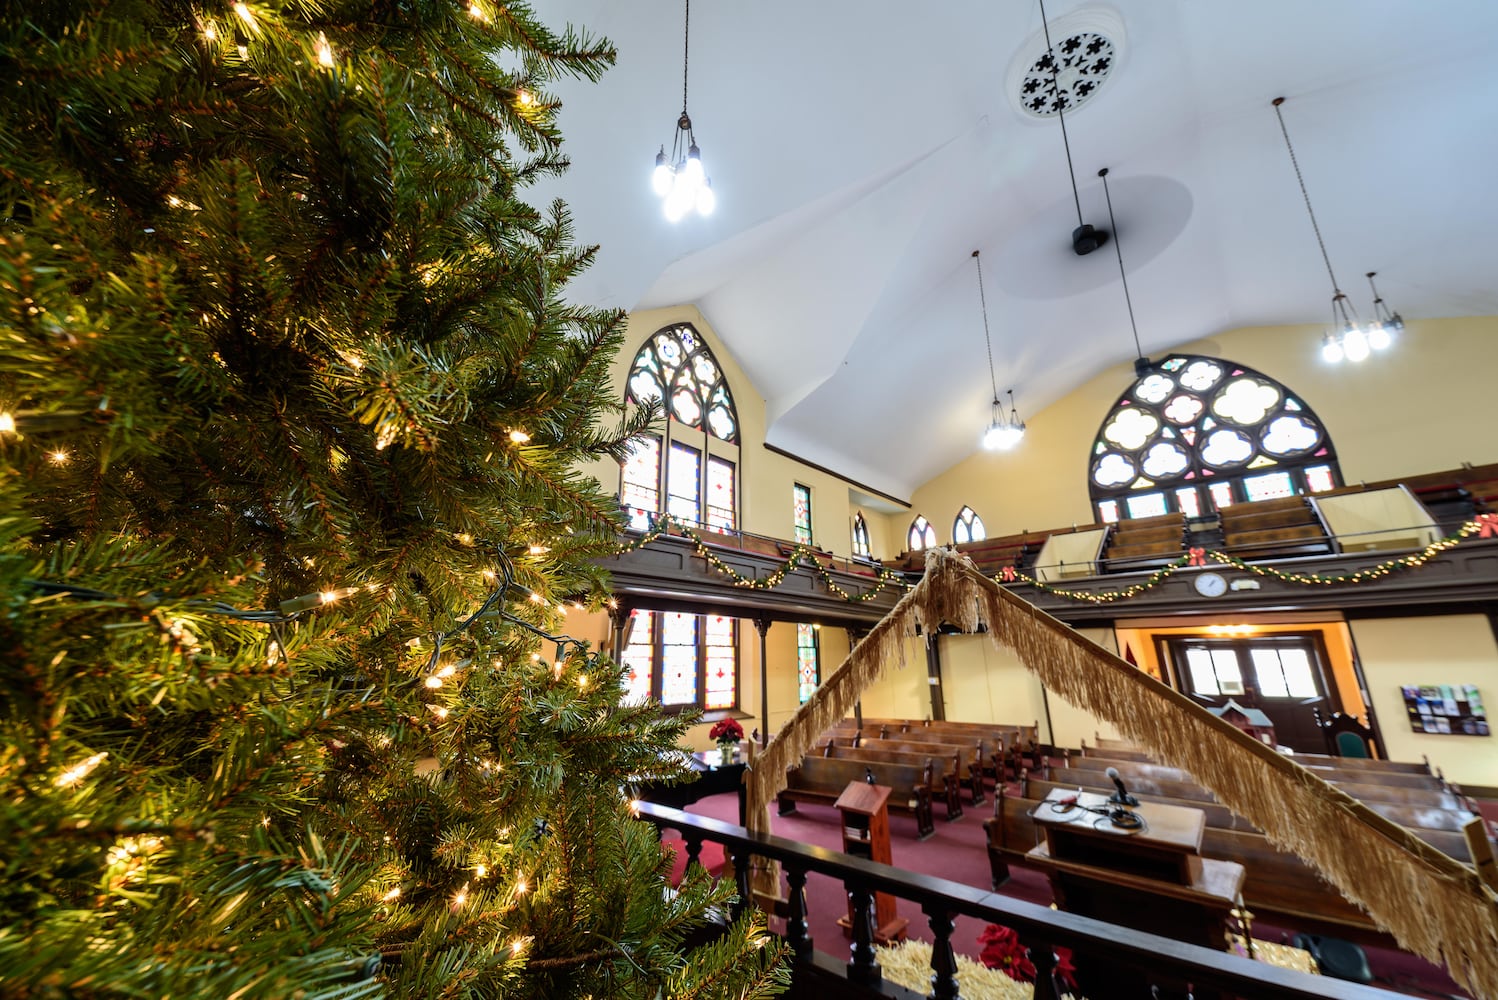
{"x": 862, "y": 149}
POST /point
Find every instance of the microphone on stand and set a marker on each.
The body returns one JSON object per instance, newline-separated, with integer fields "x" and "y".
{"x": 1121, "y": 796}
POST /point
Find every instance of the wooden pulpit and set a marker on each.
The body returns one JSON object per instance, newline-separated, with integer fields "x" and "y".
{"x": 865, "y": 814}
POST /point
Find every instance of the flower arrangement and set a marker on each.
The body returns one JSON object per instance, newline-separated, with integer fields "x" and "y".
{"x": 1002, "y": 950}
{"x": 727, "y": 732}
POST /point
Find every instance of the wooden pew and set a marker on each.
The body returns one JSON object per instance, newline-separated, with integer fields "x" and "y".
{"x": 1189, "y": 789}
{"x": 1416, "y": 818}
{"x": 967, "y": 763}
{"x": 944, "y": 781}
{"x": 1116, "y": 750}
{"x": 989, "y": 752}
{"x": 1013, "y": 737}
{"x": 1330, "y": 772}
{"x": 823, "y": 779}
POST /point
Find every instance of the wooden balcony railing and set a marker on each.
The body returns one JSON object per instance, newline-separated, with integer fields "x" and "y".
{"x": 1161, "y": 960}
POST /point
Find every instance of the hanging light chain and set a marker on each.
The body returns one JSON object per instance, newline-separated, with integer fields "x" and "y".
{"x": 987, "y": 339}
{"x": 1300, "y": 179}
{"x": 1118, "y": 250}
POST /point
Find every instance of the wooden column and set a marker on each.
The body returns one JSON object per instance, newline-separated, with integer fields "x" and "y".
{"x": 933, "y": 675}
{"x": 618, "y": 626}
{"x": 762, "y": 626}
{"x": 855, "y": 635}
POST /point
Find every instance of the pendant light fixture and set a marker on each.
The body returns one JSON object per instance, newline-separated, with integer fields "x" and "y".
{"x": 1348, "y": 340}
{"x": 1085, "y": 238}
{"x": 1003, "y": 432}
{"x": 1141, "y": 363}
{"x": 681, "y": 182}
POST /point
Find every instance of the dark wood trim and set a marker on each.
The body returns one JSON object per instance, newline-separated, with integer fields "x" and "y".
{"x": 837, "y": 475}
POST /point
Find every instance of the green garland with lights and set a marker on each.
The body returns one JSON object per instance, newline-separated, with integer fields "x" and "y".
{"x": 1484, "y": 526}
{"x": 800, "y": 556}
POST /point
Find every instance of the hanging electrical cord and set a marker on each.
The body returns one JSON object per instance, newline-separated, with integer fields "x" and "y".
{"x": 1141, "y": 363}
{"x": 1085, "y": 238}
{"x": 1003, "y": 432}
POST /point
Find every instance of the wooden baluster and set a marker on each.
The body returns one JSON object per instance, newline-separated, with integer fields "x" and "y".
{"x": 864, "y": 967}
{"x": 943, "y": 958}
{"x": 741, "y": 879}
{"x": 694, "y": 850}
{"x": 797, "y": 928}
{"x": 1043, "y": 957}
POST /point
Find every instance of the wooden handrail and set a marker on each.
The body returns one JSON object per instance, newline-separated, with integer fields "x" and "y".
{"x": 1037, "y": 926}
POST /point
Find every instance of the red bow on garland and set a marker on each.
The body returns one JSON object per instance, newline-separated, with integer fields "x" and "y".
{"x": 1488, "y": 525}
{"x": 1197, "y": 557}
{"x": 1008, "y": 573}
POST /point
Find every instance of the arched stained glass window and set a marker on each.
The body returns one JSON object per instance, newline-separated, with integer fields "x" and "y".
{"x": 1194, "y": 434}
{"x": 968, "y": 527}
{"x": 676, "y": 365}
{"x": 921, "y": 535}
{"x": 861, "y": 546}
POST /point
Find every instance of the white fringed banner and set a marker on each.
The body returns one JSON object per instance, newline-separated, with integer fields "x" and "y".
{"x": 1433, "y": 905}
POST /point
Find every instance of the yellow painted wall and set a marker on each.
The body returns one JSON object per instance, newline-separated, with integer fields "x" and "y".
{"x": 984, "y": 683}
{"x": 1449, "y": 649}
{"x": 902, "y": 692}
{"x": 1422, "y": 406}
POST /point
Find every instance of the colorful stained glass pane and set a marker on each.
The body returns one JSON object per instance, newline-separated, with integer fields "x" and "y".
{"x": 720, "y": 655}
{"x": 801, "y": 499}
{"x": 1270, "y": 486}
{"x": 638, "y": 658}
{"x": 968, "y": 527}
{"x": 640, "y": 488}
{"x": 1146, "y": 504}
{"x": 1319, "y": 478}
{"x": 720, "y": 504}
{"x": 921, "y": 534}
{"x": 675, "y": 362}
{"x": 1108, "y": 511}
{"x": 684, "y": 483}
{"x": 678, "y": 659}
{"x": 808, "y": 671}
{"x": 684, "y": 407}
{"x": 1222, "y": 494}
{"x": 1189, "y": 501}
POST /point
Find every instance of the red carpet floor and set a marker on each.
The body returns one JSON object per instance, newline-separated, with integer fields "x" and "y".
{"x": 957, "y": 852}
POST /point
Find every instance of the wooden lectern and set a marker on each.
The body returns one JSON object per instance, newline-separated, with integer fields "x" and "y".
{"x": 865, "y": 811}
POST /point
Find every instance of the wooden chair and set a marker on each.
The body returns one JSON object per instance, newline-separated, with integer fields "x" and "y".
{"x": 1345, "y": 735}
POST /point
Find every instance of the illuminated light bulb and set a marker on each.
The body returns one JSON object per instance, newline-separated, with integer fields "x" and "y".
{"x": 706, "y": 200}
{"x": 556, "y": 670}
{"x": 265, "y": 821}
{"x": 7, "y": 422}
{"x": 614, "y": 603}
{"x": 663, "y": 175}
{"x": 519, "y": 437}
{"x": 517, "y": 945}
{"x": 477, "y": 13}
{"x": 244, "y": 53}
{"x": 525, "y": 98}
{"x": 434, "y": 681}
{"x": 489, "y": 574}
{"x": 481, "y": 871}
{"x": 582, "y": 682}
{"x": 1379, "y": 336}
{"x": 461, "y": 896}
{"x": 245, "y": 15}
{"x": 535, "y": 657}
{"x": 392, "y": 894}
{"x": 210, "y": 34}
{"x": 324, "y": 51}
{"x": 1355, "y": 344}
{"x": 78, "y": 772}
{"x": 537, "y": 598}
{"x": 58, "y": 457}
{"x": 329, "y": 596}
{"x": 1331, "y": 350}
{"x": 634, "y": 806}
{"x": 679, "y": 201}
{"x": 539, "y": 550}
{"x": 464, "y": 538}
{"x": 694, "y": 173}
{"x": 520, "y": 886}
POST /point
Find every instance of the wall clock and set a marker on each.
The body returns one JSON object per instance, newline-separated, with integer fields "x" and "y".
{"x": 1210, "y": 584}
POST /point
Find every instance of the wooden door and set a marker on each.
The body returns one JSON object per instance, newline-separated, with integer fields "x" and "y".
{"x": 1281, "y": 675}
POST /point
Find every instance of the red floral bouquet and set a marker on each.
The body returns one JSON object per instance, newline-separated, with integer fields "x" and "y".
{"x": 1002, "y": 950}
{"x": 725, "y": 730}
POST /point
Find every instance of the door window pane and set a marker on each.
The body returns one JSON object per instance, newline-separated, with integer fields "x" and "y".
{"x": 684, "y": 483}
{"x": 1268, "y": 673}
{"x": 1229, "y": 677}
{"x": 720, "y": 494}
{"x": 1300, "y": 681}
{"x": 1203, "y": 677}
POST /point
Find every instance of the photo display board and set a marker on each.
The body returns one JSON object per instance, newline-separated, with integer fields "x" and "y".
{"x": 1446, "y": 709}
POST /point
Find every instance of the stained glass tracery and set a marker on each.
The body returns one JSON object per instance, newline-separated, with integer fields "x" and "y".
{"x": 968, "y": 527}
{"x": 1191, "y": 419}
{"x": 676, "y": 366}
{"x": 921, "y": 534}
{"x": 861, "y": 546}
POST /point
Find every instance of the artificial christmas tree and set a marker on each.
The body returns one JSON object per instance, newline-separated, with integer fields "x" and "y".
{"x": 289, "y": 407}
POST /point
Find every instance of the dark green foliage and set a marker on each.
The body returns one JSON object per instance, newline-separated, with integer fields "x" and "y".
{"x": 273, "y": 328}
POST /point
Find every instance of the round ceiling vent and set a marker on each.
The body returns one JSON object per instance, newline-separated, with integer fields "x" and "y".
{"x": 1087, "y": 45}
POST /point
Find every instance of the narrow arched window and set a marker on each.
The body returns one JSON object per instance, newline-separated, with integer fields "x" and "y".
{"x": 861, "y": 546}
{"x": 1195, "y": 434}
{"x": 691, "y": 472}
{"x": 921, "y": 535}
{"x": 968, "y": 527}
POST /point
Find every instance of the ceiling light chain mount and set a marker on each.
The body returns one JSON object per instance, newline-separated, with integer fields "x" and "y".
{"x": 1004, "y": 432}
{"x": 1350, "y": 339}
{"x": 681, "y": 181}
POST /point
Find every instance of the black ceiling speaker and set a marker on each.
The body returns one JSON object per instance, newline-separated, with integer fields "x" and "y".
{"x": 1085, "y": 239}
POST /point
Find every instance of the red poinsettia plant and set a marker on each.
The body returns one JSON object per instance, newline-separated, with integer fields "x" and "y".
{"x": 726, "y": 729}
{"x": 1002, "y": 950}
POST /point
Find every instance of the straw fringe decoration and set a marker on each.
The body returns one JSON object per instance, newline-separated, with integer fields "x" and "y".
{"x": 1432, "y": 904}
